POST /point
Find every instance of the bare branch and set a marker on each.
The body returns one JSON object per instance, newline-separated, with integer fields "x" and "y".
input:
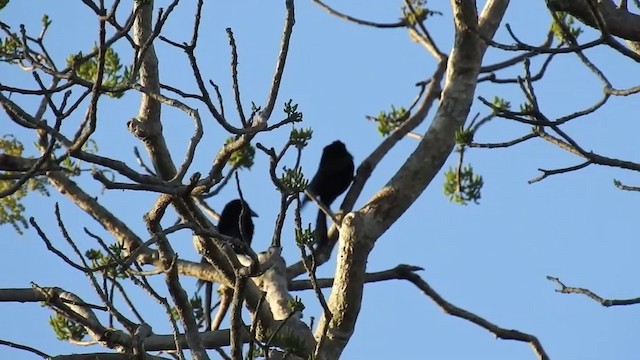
{"x": 499, "y": 332}
{"x": 234, "y": 77}
{"x": 604, "y": 302}
{"x": 282, "y": 58}
{"x": 392, "y": 274}
{"x": 398, "y": 24}
{"x": 25, "y": 348}
{"x": 546, "y": 173}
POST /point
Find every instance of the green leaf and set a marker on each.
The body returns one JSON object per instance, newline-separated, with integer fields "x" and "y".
{"x": 66, "y": 329}
{"x": 292, "y": 112}
{"x": 501, "y": 103}
{"x": 463, "y": 186}
{"x": 306, "y": 237}
{"x": 294, "y": 179}
{"x": 420, "y": 13}
{"x": 389, "y": 121}
{"x": 11, "y": 208}
{"x": 242, "y": 157}
{"x": 115, "y": 76}
{"x": 300, "y": 137}
{"x": 567, "y": 21}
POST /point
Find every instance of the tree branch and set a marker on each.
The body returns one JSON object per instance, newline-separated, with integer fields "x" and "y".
{"x": 499, "y": 332}
{"x": 618, "y": 21}
{"x": 361, "y": 229}
{"x": 590, "y": 294}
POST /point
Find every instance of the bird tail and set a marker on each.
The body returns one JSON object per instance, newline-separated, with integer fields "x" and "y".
{"x": 208, "y": 293}
{"x": 321, "y": 229}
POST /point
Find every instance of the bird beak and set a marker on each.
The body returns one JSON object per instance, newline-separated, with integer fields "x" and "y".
{"x": 253, "y": 214}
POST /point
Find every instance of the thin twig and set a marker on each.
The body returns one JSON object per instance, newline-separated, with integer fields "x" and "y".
{"x": 604, "y": 302}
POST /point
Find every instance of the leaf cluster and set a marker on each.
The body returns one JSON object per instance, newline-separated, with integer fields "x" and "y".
{"x": 11, "y": 207}
{"x": 115, "y": 75}
{"x": 389, "y": 121}
{"x": 463, "y": 185}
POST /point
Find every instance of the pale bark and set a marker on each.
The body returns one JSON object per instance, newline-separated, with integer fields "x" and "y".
{"x": 361, "y": 229}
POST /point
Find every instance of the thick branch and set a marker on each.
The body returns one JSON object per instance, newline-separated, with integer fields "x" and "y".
{"x": 360, "y": 230}
{"x": 148, "y": 125}
{"x": 618, "y": 21}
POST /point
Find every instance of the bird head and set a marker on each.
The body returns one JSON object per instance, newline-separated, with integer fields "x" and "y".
{"x": 235, "y": 207}
{"x": 336, "y": 150}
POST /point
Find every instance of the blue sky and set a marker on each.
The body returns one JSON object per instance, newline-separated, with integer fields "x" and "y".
{"x": 490, "y": 259}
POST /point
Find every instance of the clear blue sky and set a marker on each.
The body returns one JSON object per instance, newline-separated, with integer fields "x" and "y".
{"x": 490, "y": 259}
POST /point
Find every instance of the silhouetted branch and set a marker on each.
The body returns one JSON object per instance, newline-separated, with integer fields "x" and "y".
{"x": 604, "y": 302}
{"x": 398, "y": 24}
{"x": 453, "y": 310}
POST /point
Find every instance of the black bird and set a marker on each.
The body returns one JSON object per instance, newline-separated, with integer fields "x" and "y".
{"x": 231, "y": 224}
{"x": 235, "y": 221}
{"x": 334, "y": 174}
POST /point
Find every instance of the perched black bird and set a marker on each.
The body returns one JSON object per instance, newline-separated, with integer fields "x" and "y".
{"x": 235, "y": 221}
{"x": 334, "y": 174}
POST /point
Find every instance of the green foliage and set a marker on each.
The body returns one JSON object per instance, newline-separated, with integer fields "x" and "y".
{"x": 98, "y": 259}
{"x": 115, "y": 75}
{"x": 11, "y": 208}
{"x": 526, "y": 108}
{"x": 46, "y": 22}
{"x": 463, "y": 185}
{"x": 463, "y": 136}
{"x": 66, "y": 329}
{"x": 306, "y": 237}
{"x": 294, "y": 179}
{"x": 243, "y": 157}
{"x": 501, "y": 104}
{"x": 3, "y": 3}
{"x": 9, "y": 48}
{"x": 93, "y": 254}
{"x": 175, "y": 314}
{"x": 387, "y": 122}
{"x": 73, "y": 166}
{"x": 300, "y": 137}
{"x": 568, "y": 22}
{"x": 292, "y": 112}
{"x": 197, "y": 308}
{"x": 296, "y": 305}
{"x": 421, "y": 12}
